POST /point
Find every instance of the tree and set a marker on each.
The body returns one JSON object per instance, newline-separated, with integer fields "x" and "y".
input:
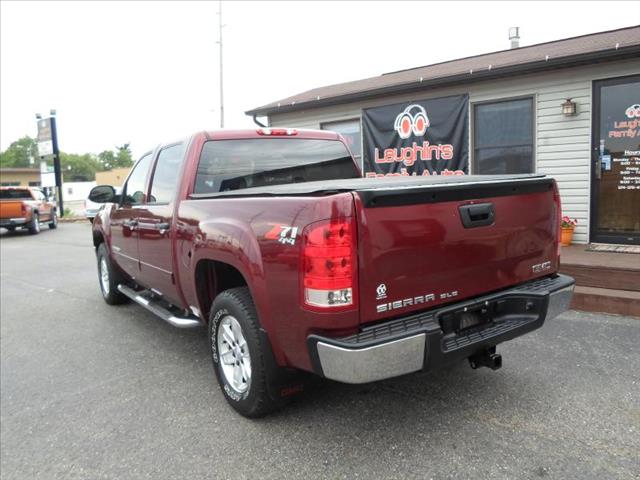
{"x": 21, "y": 153}
{"x": 79, "y": 168}
{"x": 75, "y": 167}
{"x": 107, "y": 159}
{"x": 123, "y": 156}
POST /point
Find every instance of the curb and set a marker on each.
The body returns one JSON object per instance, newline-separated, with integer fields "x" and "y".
{"x": 72, "y": 219}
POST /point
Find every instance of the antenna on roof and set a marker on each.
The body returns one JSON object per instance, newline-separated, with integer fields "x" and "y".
{"x": 514, "y": 36}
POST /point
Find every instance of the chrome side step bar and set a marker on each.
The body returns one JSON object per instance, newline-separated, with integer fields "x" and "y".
{"x": 157, "y": 309}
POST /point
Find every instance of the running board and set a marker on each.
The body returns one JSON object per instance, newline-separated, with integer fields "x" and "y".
{"x": 157, "y": 309}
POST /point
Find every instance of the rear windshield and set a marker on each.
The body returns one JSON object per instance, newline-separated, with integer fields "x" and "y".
{"x": 235, "y": 164}
{"x": 15, "y": 194}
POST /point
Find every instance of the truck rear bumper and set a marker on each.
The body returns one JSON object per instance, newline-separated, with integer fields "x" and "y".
{"x": 428, "y": 340}
{"x": 13, "y": 222}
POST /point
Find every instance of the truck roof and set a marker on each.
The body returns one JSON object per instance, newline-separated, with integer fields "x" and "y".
{"x": 229, "y": 134}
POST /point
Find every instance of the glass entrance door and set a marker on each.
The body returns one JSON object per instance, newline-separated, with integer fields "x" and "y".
{"x": 615, "y": 180}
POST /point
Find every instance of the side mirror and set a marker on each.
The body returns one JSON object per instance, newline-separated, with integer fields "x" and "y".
{"x": 102, "y": 194}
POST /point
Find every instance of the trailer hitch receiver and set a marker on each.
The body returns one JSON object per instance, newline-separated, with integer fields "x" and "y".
{"x": 486, "y": 358}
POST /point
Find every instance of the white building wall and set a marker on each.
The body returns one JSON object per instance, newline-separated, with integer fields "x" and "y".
{"x": 72, "y": 191}
{"x": 562, "y": 144}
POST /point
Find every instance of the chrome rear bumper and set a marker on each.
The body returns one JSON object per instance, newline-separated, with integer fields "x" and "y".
{"x": 422, "y": 342}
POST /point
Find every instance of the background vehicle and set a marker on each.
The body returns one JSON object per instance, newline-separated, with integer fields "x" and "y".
{"x": 26, "y": 207}
{"x": 294, "y": 262}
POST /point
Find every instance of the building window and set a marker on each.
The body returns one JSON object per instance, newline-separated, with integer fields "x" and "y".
{"x": 350, "y": 130}
{"x": 503, "y": 137}
{"x": 34, "y": 184}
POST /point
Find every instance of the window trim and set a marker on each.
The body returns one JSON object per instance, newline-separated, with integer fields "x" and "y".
{"x": 473, "y": 164}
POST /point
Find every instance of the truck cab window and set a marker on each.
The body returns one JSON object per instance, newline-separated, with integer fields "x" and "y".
{"x": 167, "y": 171}
{"x": 236, "y": 164}
{"x": 134, "y": 191}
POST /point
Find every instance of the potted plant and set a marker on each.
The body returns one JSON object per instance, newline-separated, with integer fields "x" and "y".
{"x": 568, "y": 226}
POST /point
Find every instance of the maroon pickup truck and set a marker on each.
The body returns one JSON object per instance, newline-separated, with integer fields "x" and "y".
{"x": 294, "y": 262}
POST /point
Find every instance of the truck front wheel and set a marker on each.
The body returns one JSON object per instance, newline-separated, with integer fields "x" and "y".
{"x": 239, "y": 353}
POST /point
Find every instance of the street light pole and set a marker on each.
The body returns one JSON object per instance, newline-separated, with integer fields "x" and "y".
{"x": 221, "y": 77}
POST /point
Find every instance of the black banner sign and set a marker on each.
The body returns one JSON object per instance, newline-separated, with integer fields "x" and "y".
{"x": 429, "y": 137}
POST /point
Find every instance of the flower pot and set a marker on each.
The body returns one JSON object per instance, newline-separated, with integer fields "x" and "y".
{"x": 566, "y": 236}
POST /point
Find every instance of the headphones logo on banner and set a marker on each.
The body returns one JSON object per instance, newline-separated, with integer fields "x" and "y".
{"x": 633, "y": 111}
{"x": 416, "y": 123}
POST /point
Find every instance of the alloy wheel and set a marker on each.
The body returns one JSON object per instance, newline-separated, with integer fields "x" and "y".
{"x": 233, "y": 350}
{"x": 104, "y": 276}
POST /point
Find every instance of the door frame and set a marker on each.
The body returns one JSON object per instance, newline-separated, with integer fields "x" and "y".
{"x": 594, "y": 235}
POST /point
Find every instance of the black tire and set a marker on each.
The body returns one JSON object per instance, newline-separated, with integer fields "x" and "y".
{"x": 11, "y": 228}
{"x": 53, "y": 223}
{"x": 109, "y": 285}
{"x": 256, "y": 400}
{"x": 34, "y": 224}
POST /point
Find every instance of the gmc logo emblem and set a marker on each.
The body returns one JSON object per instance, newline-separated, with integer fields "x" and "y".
{"x": 541, "y": 267}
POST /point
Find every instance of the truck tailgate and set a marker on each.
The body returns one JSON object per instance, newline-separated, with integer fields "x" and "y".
{"x": 10, "y": 208}
{"x": 434, "y": 244}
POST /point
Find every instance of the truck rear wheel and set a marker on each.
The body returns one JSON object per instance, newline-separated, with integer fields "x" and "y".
{"x": 109, "y": 278}
{"x": 34, "y": 225}
{"x": 240, "y": 353}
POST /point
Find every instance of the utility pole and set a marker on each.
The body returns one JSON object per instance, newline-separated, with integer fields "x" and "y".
{"x": 57, "y": 168}
{"x": 48, "y": 145}
{"x": 221, "y": 77}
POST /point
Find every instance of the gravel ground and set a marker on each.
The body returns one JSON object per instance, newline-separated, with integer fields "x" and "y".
{"x": 90, "y": 391}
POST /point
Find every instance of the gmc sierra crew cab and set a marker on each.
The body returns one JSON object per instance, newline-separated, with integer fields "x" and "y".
{"x": 272, "y": 239}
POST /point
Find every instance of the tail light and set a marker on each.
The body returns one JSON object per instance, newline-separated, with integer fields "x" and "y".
{"x": 24, "y": 210}
{"x": 329, "y": 264}
{"x": 558, "y": 215}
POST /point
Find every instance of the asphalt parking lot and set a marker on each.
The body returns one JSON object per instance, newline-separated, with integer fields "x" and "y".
{"x": 90, "y": 391}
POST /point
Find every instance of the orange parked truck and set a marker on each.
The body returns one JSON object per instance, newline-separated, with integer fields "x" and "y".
{"x": 26, "y": 207}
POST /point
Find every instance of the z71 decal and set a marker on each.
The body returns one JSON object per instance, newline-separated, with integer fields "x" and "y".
{"x": 285, "y": 234}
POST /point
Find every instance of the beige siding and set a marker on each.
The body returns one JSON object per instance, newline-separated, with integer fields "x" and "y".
{"x": 562, "y": 144}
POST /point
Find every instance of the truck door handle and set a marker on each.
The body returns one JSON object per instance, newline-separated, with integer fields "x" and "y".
{"x": 477, "y": 215}
{"x": 162, "y": 227}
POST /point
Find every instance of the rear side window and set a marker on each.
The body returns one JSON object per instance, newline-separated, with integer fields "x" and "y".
{"x": 165, "y": 176}
{"x": 15, "y": 194}
{"x": 236, "y": 164}
{"x": 134, "y": 189}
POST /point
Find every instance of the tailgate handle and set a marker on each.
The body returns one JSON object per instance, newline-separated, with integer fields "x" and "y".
{"x": 477, "y": 215}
